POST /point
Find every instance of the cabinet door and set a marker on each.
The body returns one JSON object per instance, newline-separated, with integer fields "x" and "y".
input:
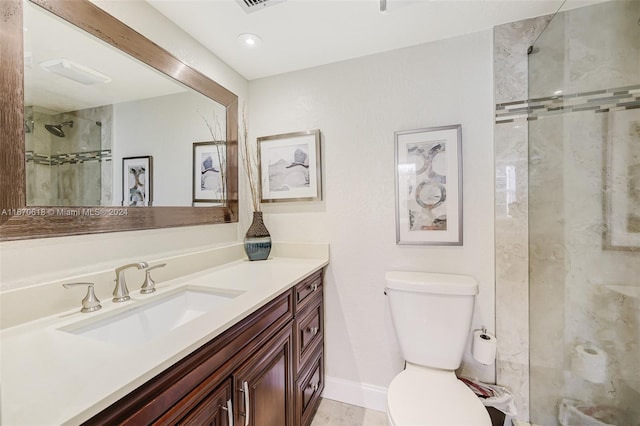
{"x": 264, "y": 385}
{"x": 215, "y": 410}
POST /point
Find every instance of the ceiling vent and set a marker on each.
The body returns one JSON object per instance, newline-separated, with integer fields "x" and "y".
{"x": 251, "y": 6}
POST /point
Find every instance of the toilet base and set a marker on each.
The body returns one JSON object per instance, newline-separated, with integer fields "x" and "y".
{"x": 424, "y": 396}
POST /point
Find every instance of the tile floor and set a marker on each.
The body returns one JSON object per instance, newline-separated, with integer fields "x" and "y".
{"x": 334, "y": 413}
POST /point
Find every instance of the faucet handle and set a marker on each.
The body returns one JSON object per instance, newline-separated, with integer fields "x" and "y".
{"x": 90, "y": 303}
{"x": 149, "y": 285}
{"x": 139, "y": 265}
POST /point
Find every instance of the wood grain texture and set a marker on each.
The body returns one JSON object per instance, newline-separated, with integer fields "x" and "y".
{"x": 306, "y": 289}
{"x": 19, "y": 222}
{"x": 309, "y": 388}
{"x": 269, "y": 377}
{"x": 12, "y": 165}
{"x": 308, "y": 331}
{"x": 210, "y": 412}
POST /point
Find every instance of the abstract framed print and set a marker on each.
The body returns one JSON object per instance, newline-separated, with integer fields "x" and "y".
{"x": 137, "y": 181}
{"x": 289, "y": 167}
{"x": 429, "y": 186}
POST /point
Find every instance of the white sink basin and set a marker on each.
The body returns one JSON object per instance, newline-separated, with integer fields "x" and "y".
{"x": 146, "y": 321}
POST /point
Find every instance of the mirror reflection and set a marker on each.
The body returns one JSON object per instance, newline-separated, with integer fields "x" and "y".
{"x": 88, "y": 106}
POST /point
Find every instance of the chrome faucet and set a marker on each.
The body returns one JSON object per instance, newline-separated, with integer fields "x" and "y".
{"x": 121, "y": 292}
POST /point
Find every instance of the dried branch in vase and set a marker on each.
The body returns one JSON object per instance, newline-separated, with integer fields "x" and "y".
{"x": 215, "y": 129}
{"x": 250, "y": 161}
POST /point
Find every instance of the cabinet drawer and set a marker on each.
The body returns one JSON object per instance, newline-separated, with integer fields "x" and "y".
{"x": 309, "y": 388}
{"x": 307, "y": 289}
{"x": 309, "y": 330}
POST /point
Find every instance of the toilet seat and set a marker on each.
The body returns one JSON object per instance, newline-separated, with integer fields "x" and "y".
{"x": 420, "y": 396}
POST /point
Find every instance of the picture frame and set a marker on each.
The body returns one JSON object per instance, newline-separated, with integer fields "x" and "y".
{"x": 137, "y": 181}
{"x": 621, "y": 172}
{"x": 208, "y": 173}
{"x": 289, "y": 167}
{"x": 428, "y": 189}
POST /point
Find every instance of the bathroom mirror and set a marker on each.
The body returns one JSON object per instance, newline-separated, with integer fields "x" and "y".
{"x": 46, "y": 117}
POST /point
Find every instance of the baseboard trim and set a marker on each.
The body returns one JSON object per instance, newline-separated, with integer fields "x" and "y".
{"x": 354, "y": 393}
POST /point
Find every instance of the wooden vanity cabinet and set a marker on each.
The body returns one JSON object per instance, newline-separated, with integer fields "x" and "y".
{"x": 308, "y": 327}
{"x": 309, "y": 388}
{"x": 269, "y": 366}
{"x": 264, "y": 385}
{"x": 214, "y": 410}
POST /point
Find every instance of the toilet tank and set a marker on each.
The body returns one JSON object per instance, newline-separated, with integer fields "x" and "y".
{"x": 431, "y": 314}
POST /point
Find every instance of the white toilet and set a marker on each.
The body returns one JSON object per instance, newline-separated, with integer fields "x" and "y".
{"x": 432, "y": 317}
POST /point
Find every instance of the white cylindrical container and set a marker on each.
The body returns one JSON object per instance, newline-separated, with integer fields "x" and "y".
{"x": 590, "y": 363}
{"x": 484, "y": 347}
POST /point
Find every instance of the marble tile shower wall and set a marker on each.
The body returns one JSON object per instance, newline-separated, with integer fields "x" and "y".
{"x": 76, "y": 169}
{"x": 511, "y": 42}
{"x": 550, "y": 166}
{"x": 103, "y": 115}
{"x": 592, "y": 56}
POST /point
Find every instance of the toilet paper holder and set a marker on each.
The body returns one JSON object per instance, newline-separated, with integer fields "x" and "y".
{"x": 484, "y": 335}
{"x": 483, "y": 346}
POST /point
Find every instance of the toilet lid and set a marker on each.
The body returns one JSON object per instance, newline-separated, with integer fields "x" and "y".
{"x": 422, "y": 397}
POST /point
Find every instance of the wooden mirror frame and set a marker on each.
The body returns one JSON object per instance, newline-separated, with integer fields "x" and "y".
{"x": 19, "y": 221}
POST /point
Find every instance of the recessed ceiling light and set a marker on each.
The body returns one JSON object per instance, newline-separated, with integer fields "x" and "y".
{"x": 249, "y": 40}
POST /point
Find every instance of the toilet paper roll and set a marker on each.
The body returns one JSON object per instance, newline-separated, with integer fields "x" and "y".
{"x": 590, "y": 363}
{"x": 484, "y": 347}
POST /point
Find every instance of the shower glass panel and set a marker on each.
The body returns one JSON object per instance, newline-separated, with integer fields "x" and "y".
{"x": 66, "y": 162}
{"x": 584, "y": 217}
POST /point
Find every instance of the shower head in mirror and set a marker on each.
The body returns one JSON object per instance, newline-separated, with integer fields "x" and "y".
{"x": 56, "y": 129}
{"x": 28, "y": 125}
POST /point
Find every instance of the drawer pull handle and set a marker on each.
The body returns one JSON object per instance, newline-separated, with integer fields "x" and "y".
{"x": 313, "y": 386}
{"x": 313, "y": 286}
{"x": 229, "y": 410}
{"x": 313, "y": 330}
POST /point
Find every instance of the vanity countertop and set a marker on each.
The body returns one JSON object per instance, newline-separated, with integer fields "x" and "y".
{"x": 51, "y": 377}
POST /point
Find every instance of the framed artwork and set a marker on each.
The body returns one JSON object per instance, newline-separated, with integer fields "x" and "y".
{"x": 622, "y": 182}
{"x": 429, "y": 186}
{"x": 289, "y": 167}
{"x": 137, "y": 181}
{"x": 209, "y": 166}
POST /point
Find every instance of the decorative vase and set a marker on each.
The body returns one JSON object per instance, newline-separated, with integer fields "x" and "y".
{"x": 257, "y": 241}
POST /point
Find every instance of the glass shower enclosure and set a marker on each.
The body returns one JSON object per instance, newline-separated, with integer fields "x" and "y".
{"x": 67, "y": 161}
{"x": 584, "y": 217}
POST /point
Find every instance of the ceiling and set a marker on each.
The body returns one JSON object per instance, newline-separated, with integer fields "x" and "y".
{"x": 298, "y": 34}
{"x": 47, "y": 37}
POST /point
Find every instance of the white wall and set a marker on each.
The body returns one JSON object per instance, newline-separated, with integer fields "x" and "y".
{"x": 357, "y": 105}
{"x": 166, "y": 128}
{"x": 23, "y": 263}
